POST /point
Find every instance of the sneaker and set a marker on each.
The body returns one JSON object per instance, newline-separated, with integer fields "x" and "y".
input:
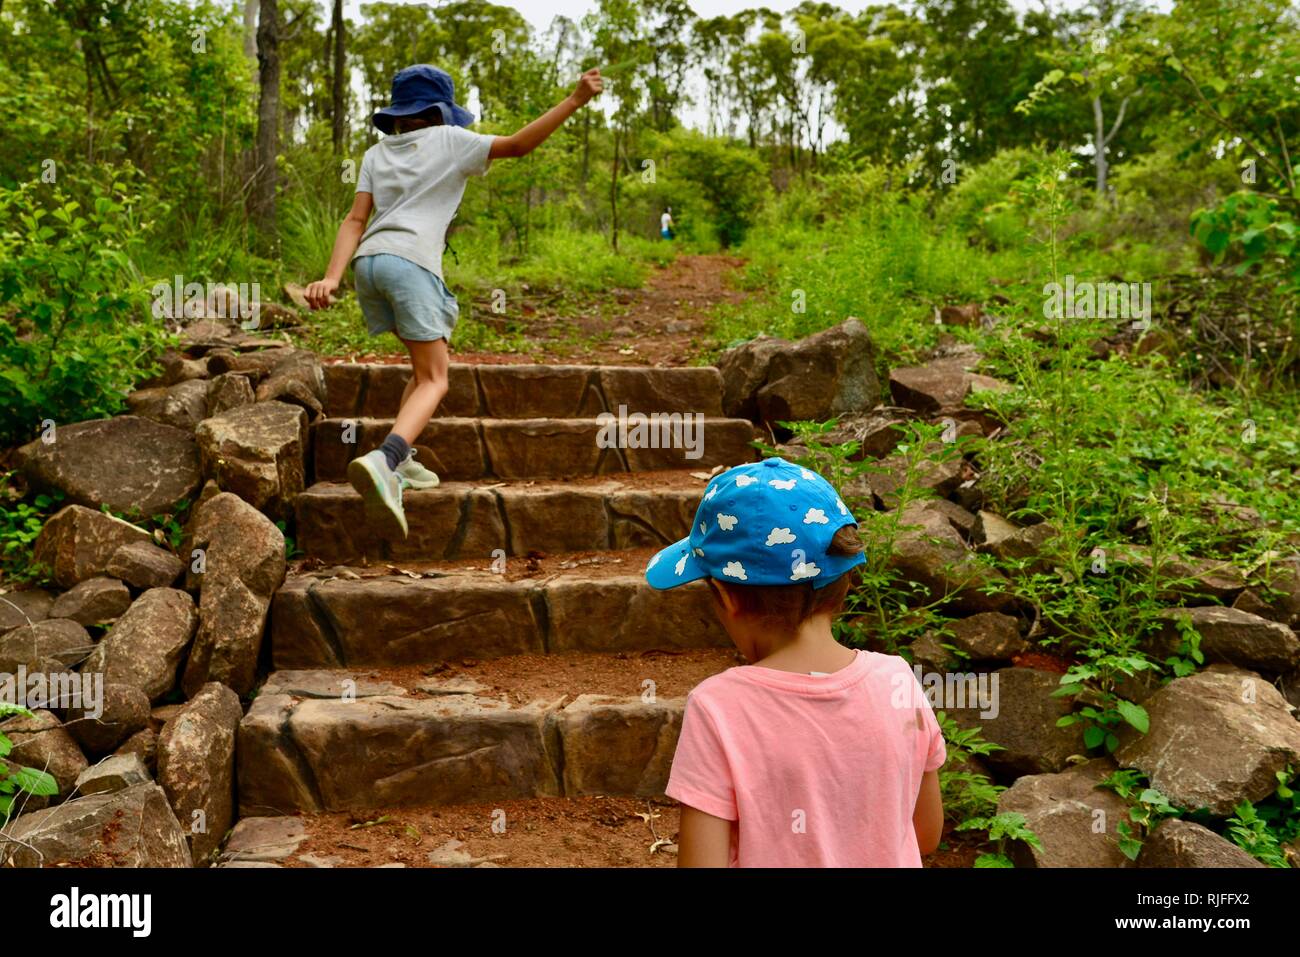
{"x": 379, "y": 487}
{"x": 415, "y": 475}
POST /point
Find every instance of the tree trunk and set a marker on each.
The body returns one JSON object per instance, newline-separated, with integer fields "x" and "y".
{"x": 268, "y": 120}
{"x": 250, "y": 28}
{"x": 613, "y": 194}
{"x": 1099, "y": 142}
{"x": 339, "y": 110}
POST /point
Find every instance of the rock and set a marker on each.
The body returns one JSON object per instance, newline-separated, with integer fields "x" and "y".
{"x": 182, "y": 406}
{"x": 876, "y": 433}
{"x": 744, "y": 372}
{"x": 132, "y": 465}
{"x": 1216, "y": 738}
{"x": 257, "y": 452}
{"x": 643, "y": 735}
{"x": 58, "y": 641}
{"x": 230, "y": 390}
{"x": 940, "y": 475}
{"x": 1202, "y": 578}
{"x": 134, "y": 827}
{"x": 116, "y": 772}
{"x": 967, "y": 316}
{"x": 1025, "y": 723}
{"x": 929, "y": 552}
{"x": 77, "y": 543}
{"x": 1232, "y": 636}
{"x": 297, "y": 295}
{"x": 26, "y": 607}
{"x": 196, "y": 766}
{"x": 990, "y": 636}
{"x": 123, "y": 711}
{"x": 940, "y": 385}
{"x": 825, "y": 375}
{"x": 296, "y": 379}
{"x": 321, "y": 754}
{"x": 175, "y": 367}
{"x": 1275, "y": 591}
{"x": 327, "y": 684}
{"x": 1009, "y": 541}
{"x": 1176, "y": 843}
{"x": 147, "y": 645}
{"x": 144, "y": 745}
{"x": 244, "y": 565}
{"x": 453, "y": 854}
{"x": 649, "y": 390}
{"x": 1064, "y": 811}
{"x": 264, "y": 839}
{"x": 144, "y": 565}
{"x": 41, "y": 741}
{"x": 928, "y": 652}
{"x": 93, "y": 601}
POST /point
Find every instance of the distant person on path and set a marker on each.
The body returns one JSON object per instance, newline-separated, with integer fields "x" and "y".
{"x": 666, "y": 224}
{"x": 813, "y": 755}
{"x": 412, "y": 180}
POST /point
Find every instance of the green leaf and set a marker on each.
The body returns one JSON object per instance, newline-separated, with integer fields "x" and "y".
{"x": 1134, "y": 714}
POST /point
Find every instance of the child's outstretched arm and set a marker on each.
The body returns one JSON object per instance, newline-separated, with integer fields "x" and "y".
{"x": 536, "y": 132}
{"x": 319, "y": 293}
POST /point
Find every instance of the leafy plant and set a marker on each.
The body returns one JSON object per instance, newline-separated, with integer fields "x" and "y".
{"x": 1148, "y": 807}
{"x": 1002, "y": 830}
{"x": 966, "y": 793}
{"x": 14, "y": 780}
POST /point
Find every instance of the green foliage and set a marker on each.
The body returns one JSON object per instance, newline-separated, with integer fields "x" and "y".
{"x": 1261, "y": 232}
{"x": 1147, "y": 808}
{"x": 16, "y": 780}
{"x": 20, "y": 525}
{"x": 76, "y": 334}
{"x": 966, "y": 792}
{"x": 1002, "y": 830}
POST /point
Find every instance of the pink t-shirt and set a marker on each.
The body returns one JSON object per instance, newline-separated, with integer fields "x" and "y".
{"x": 815, "y": 770}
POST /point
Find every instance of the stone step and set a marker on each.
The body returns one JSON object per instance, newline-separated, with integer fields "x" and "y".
{"x": 528, "y": 391}
{"x": 596, "y": 831}
{"x": 520, "y": 727}
{"x": 429, "y": 613}
{"x": 466, "y": 449}
{"x": 458, "y": 520}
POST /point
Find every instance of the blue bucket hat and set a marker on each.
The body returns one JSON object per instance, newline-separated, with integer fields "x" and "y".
{"x": 417, "y": 88}
{"x": 765, "y": 523}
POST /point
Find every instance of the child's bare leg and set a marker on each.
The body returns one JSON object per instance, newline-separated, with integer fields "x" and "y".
{"x": 428, "y": 385}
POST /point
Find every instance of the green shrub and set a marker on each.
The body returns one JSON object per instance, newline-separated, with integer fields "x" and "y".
{"x": 76, "y": 334}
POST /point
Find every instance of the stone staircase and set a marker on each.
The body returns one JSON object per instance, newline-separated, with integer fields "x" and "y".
{"x": 509, "y": 648}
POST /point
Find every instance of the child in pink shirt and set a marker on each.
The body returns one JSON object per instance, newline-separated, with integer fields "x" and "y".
{"x": 814, "y": 755}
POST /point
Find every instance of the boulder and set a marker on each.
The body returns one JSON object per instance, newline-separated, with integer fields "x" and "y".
{"x": 175, "y": 367}
{"x": 876, "y": 432}
{"x": 144, "y": 565}
{"x": 182, "y": 406}
{"x": 131, "y": 464}
{"x": 146, "y": 646}
{"x": 264, "y": 839}
{"x": 940, "y": 385}
{"x": 929, "y": 552}
{"x": 258, "y": 452}
{"x": 928, "y": 652}
{"x": 744, "y": 372}
{"x": 990, "y": 636}
{"x": 1025, "y": 723}
{"x": 1216, "y": 738}
{"x": 1232, "y": 636}
{"x": 26, "y": 607}
{"x": 134, "y": 827}
{"x": 296, "y": 379}
{"x": 1074, "y": 819}
{"x": 938, "y": 474}
{"x": 244, "y": 563}
{"x": 117, "y": 772}
{"x": 1177, "y": 843}
{"x": 1008, "y": 541}
{"x": 59, "y": 641}
{"x": 825, "y": 375}
{"x": 93, "y": 601}
{"x": 77, "y": 543}
{"x": 41, "y": 741}
{"x": 123, "y": 711}
{"x": 196, "y": 766}
{"x": 144, "y": 745}
{"x": 229, "y": 391}
{"x": 1275, "y": 591}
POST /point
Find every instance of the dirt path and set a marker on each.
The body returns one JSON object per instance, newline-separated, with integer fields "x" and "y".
{"x": 664, "y": 323}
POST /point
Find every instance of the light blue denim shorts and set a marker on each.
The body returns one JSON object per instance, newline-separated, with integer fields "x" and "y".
{"x": 397, "y": 295}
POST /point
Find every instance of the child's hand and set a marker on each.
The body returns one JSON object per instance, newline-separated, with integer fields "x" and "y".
{"x": 590, "y": 85}
{"x": 321, "y": 293}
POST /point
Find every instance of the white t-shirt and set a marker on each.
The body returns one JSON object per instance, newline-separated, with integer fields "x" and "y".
{"x": 417, "y": 180}
{"x": 665, "y": 221}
